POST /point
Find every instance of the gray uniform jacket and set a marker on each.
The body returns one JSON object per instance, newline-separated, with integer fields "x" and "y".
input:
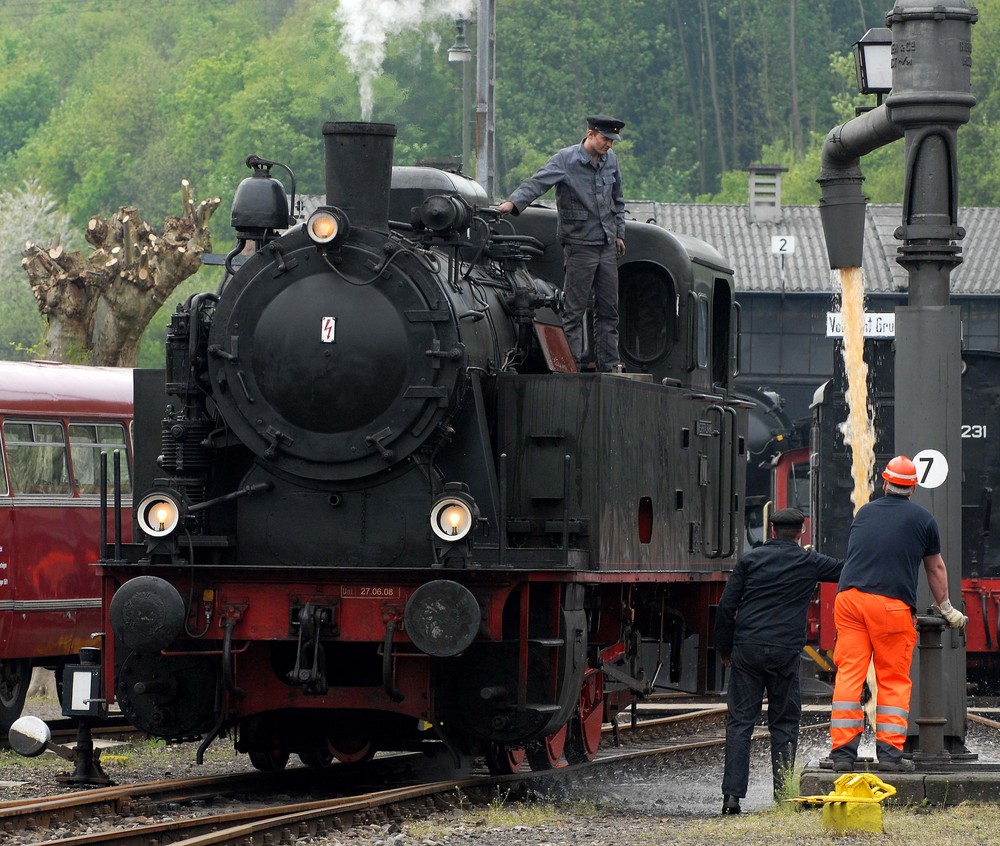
{"x": 589, "y": 199}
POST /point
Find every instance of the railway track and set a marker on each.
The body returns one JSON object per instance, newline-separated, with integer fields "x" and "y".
{"x": 240, "y": 809}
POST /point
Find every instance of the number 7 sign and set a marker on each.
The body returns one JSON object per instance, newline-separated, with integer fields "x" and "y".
{"x": 932, "y": 468}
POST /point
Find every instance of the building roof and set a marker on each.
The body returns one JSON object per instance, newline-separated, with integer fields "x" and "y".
{"x": 747, "y": 244}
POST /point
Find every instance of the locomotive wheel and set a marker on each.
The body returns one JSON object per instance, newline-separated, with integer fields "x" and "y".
{"x": 15, "y": 675}
{"x": 354, "y": 750}
{"x": 502, "y": 759}
{"x": 585, "y": 727}
{"x": 547, "y": 753}
{"x": 270, "y": 760}
{"x": 317, "y": 759}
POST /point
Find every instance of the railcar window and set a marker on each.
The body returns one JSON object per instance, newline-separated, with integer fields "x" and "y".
{"x": 37, "y": 456}
{"x": 86, "y": 442}
{"x": 4, "y": 487}
{"x": 798, "y": 487}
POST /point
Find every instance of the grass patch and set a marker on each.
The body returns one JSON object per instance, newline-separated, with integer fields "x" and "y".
{"x": 786, "y": 824}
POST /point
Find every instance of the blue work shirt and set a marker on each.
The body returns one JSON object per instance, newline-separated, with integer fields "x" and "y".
{"x": 886, "y": 547}
{"x": 767, "y": 596}
{"x": 589, "y": 199}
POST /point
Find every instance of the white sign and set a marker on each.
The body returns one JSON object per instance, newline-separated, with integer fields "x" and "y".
{"x": 782, "y": 245}
{"x": 328, "y": 330}
{"x": 877, "y": 325}
{"x": 932, "y": 468}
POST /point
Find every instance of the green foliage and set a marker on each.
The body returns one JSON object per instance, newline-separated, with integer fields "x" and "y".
{"x": 24, "y": 92}
{"x": 26, "y": 214}
{"x": 102, "y": 107}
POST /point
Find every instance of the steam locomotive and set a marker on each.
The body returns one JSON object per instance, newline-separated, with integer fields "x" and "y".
{"x": 378, "y": 507}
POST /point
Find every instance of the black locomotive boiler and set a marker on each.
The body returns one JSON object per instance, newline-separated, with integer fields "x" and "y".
{"x": 377, "y": 506}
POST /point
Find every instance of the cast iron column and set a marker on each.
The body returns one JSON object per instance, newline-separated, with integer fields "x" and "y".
{"x": 930, "y": 99}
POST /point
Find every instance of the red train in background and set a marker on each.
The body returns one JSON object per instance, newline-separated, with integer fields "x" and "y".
{"x": 817, "y": 479}
{"x": 55, "y": 420}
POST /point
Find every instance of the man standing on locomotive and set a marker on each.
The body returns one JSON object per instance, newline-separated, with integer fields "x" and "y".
{"x": 760, "y": 631}
{"x": 591, "y": 228}
{"x": 889, "y": 539}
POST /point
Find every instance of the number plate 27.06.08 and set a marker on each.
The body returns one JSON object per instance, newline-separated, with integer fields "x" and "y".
{"x": 371, "y": 592}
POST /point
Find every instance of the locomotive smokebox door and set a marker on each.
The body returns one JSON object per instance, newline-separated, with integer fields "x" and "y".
{"x": 82, "y": 686}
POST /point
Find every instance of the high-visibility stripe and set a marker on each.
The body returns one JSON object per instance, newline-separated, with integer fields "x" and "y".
{"x": 845, "y": 706}
{"x": 890, "y": 728}
{"x": 858, "y": 724}
{"x": 890, "y": 711}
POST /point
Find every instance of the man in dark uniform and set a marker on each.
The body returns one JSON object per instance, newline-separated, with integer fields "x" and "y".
{"x": 591, "y": 228}
{"x": 759, "y": 633}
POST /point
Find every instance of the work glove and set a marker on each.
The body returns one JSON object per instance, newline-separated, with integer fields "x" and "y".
{"x": 953, "y": 617}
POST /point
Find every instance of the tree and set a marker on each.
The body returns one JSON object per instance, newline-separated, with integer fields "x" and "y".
{"x": 98, "y": 306}
{"x": 27, "y": 212}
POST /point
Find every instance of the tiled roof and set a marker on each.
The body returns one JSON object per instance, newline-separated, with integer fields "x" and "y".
{"x": 747, "y": 246}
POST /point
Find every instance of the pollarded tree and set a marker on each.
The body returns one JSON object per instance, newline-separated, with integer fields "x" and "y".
{"x": 97, "y": 306}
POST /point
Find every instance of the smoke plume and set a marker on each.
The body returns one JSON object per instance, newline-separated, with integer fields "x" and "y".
{"x": 367, "y": 25}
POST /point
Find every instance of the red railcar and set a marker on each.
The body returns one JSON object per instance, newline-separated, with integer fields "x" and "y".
{"x": 55, "y": 419}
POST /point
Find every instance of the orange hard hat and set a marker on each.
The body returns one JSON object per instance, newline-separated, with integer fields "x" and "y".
{"x": 900, "y": 471}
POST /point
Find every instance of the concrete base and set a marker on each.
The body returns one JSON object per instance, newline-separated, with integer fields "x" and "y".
{"x": 947, "y": 785}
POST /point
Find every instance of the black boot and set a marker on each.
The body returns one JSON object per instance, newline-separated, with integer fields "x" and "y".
{"x": 730, "y": 804}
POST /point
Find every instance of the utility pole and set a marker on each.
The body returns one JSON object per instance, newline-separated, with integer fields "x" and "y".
{"x": 461, "y": 53}
{"x": 485, "y": 92}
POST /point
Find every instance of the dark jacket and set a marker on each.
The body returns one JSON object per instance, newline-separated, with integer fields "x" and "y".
{"x": 767, "y": 596}
{"x": 889, "y": 539}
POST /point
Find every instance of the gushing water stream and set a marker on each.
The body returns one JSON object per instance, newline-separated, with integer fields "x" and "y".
{"x": 859, "y": 433}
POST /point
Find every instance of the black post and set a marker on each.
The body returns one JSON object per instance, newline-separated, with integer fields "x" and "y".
{"x": 118, "y": 503}
{"x": 931, "y": 97}
{"x": 103, "y": 532}
{"x": 931, "y": 722}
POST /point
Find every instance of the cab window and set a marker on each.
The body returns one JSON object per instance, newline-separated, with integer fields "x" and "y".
{"x": 648, "y": 308}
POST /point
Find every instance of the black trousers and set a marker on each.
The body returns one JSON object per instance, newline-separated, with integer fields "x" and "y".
{"x": 756, "y": 670}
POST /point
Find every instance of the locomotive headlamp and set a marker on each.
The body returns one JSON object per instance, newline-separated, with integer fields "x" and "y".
{"x": 454, "y": 513}
{"x": 327, "y": 225}
{"x": 158, "y": 514}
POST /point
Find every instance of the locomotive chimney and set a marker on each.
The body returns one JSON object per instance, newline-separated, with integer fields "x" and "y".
{"x": 359, "y": 171}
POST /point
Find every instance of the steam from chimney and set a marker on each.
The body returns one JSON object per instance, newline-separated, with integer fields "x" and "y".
{"x": 366, "y": 26}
